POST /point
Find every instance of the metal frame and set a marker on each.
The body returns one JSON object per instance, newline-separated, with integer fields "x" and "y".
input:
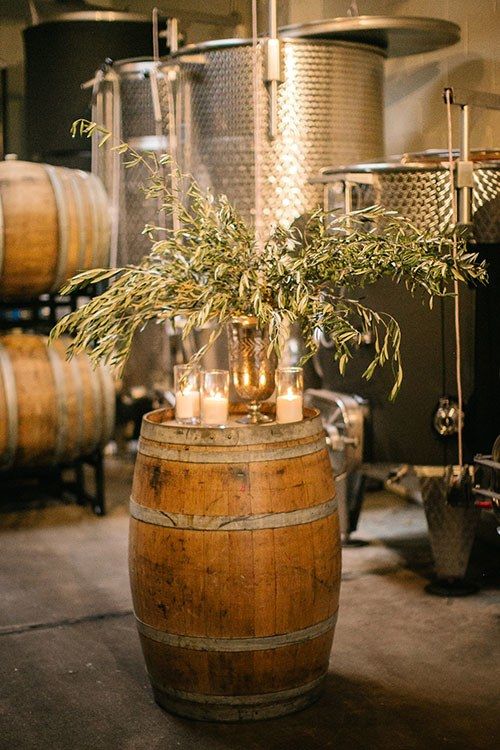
{"x": 42, "y": 313}
{"x": 53, "y": 479}
{"x": 487, "y": 484}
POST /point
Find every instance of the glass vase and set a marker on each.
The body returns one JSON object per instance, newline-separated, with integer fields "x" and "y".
{"x": 252, "y": 370}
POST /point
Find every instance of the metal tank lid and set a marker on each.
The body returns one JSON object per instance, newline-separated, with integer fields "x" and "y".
{"x": 429, "y": 160}
{"x": 136, "y": 65}
{"x": 398, "y": 35}
{"x": 93, "y": 15}
{"x": 217, "y": 44}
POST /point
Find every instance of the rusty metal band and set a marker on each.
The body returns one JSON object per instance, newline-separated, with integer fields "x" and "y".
{"x": 232, "y": 523}
{"x": 61, "y": 274}
{"x": 76, "y": 185}
{"x": 2, "y": 237}
{"x": 56, "y": 367}
{"x": 10, "y": 391}
{"x": 262, "y": 643}
{"x": 213, "y": 456}
{"x": 239, "y": 700}
{"x": 271, "y": 707}
{"x": 232, "y": 436}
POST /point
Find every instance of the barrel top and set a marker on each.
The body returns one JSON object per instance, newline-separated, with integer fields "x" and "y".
{"x": 160, "y": 426}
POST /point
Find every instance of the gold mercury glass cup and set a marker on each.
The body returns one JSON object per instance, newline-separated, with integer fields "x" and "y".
{"x": 252, "y": 370}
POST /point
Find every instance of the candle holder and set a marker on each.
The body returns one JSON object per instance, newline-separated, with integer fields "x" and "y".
{"x": 215, "y": 398}
{"x": 252, "y": 370}
{"x": 187, "y": 394}
{"x": 289, "y": 398}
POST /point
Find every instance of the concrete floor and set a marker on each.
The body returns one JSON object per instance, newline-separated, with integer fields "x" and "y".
{"x": 408, "y": 671}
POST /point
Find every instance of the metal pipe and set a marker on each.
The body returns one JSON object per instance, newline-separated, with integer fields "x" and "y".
{"x": 173, "y": 35}
{"x": 465, "y": 133}
{"x": 465, "y": 169}
{"x": 156, "y": 35}
{"x": 272, "y": 75}
{"x": 3, "y": 111}
{"x": 35, "y": 18}
{"x": 463, "y": 96}
{"x": 273, "y": 19}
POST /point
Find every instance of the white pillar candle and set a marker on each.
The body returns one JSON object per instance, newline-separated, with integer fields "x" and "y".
{"x": 187, "y": 404}
{"x": 289, "y": 408}
{"x": 215, "y": 409}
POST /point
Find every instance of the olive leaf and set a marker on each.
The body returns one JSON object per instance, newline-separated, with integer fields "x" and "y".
{"x": 212, "y": 268}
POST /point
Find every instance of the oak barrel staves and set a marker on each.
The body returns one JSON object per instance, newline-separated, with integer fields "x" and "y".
{"x": 51, "y": 410}
{"x": 54, "y": 222}
{"x": 234, "y": 565}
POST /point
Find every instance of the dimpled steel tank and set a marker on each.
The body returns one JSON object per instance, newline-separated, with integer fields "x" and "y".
{"x": 329, "y": 110}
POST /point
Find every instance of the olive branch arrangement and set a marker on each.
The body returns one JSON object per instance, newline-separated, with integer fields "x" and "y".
{"x": 212, "y": 269}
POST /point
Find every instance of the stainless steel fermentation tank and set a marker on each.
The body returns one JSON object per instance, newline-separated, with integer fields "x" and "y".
{"x": 329, "y": 109}
{"x": 131, "y": 99}
{"x": 321, "y": 100}
{"x": 419, "y": 428}
{"x": 418, "y": 187}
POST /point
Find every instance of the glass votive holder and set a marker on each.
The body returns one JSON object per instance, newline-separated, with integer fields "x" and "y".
{"x": 289, "y": 394}
{"x": 187, "y": 394}
{"x": 215, "y": 398}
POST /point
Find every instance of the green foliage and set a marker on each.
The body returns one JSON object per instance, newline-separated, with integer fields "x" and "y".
{"x": 212, "y": 269}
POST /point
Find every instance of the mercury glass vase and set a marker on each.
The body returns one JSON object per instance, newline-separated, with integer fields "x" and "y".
{"x": 252, "y": 370}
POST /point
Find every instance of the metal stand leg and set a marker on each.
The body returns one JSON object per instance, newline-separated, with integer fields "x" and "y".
{"x": 355, "y": 494}
{"x": 81, "y": 495}
{"x": 99, "y": 506}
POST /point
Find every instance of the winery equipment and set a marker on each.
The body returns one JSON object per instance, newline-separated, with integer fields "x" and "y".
{"x": 329, "y": 107}
{"x": 424, "y": 425}
{"x": 199, "y": 105}
{"x": 61, "y": 53}
{"x": 55, "y": 416}
{"x": 487, "y": 481}
{"x": 343, "y": 417}
{"x": 315, "y": 123}
{"x": 420, "y": 426}
{"x": 417, "y": 185}
{"x": 133, "y": 99}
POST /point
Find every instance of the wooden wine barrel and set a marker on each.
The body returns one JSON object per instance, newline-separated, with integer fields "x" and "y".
{"x": 51, "y": 410}
{"x": 54, "y": 222}
{"x": 234, "y": 565}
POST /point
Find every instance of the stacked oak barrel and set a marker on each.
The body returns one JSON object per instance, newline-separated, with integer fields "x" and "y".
{"x": 54, "y": 222}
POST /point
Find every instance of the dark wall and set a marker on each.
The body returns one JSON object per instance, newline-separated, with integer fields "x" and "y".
{"x": 60, "y": 56}
{"x": 402, "y": 431}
